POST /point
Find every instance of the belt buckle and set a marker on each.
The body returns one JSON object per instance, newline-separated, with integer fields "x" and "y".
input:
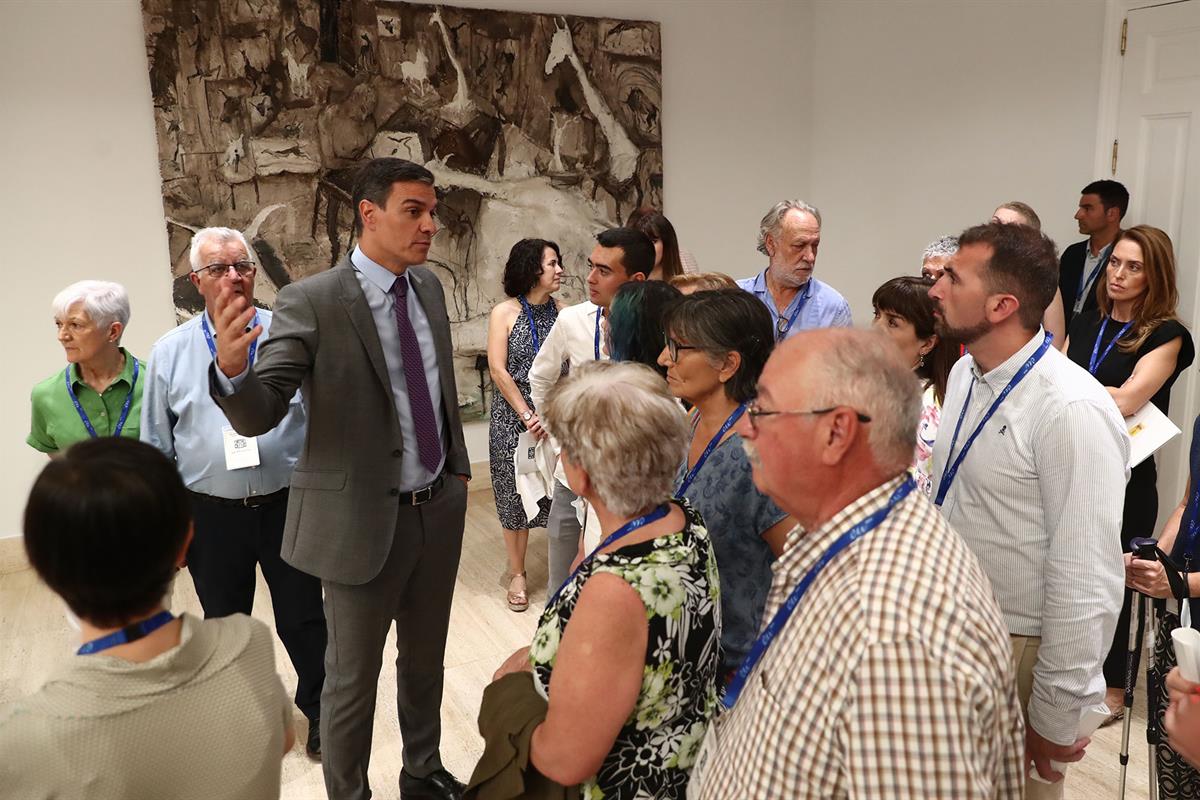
{"x": 422, "y": 495}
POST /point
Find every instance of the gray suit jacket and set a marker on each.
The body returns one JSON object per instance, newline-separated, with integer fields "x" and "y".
{"x": 343, "y": 507}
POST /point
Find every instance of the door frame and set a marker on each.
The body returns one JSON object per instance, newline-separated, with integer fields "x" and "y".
{"x": 1108, "y": 111}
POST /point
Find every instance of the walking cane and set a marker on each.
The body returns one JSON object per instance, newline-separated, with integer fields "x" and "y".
{"x": 1132, "y": 652}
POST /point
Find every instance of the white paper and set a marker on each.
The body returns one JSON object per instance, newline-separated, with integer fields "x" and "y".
{"x": 1149, "y": 429}
{"x": 240, "y": 451}
{"x": 526, "y": 454}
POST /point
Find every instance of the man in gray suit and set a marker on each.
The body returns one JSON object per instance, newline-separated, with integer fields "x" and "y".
{"x": 378, "y": 497}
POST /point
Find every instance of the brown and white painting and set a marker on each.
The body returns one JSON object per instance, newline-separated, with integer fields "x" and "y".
{"x": 534, "y": 125}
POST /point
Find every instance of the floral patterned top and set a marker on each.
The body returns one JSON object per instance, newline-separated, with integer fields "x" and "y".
{"x": 676, "y": 577}
{"x": 931, "y": 417}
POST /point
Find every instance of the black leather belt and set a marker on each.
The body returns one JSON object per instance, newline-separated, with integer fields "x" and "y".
{"x": 253, "y": 501}
{"x": 421, "y": 495}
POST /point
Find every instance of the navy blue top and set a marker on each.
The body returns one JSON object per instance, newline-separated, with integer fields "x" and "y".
{"x": 736, "y": 515}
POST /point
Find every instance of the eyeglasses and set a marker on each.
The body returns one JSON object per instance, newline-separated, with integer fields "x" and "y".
{"x": 243, "y": 268}
{"x": 673, "y": 348}
{"x": 753, "y": 412}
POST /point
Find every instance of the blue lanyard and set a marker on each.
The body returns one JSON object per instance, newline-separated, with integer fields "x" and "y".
{"x": 716, "y": 440}
{"x": 1091, "y": 279}
{"x": 532, "y": 325}
{"x": 759, "y": 648}
{"x": 599, "y": 313}
{"x": 87, "y": 423}
{"x": 784, "y": 325}
{"x": 212, "y": 345}
{"x": 130, "y": 633}
{"x": 951, "y": 469}
{"x": 1098, "y": 357}
{"x": 619, "y": 533}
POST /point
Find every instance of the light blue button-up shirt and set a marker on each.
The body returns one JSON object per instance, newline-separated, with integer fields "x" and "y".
{"x": 181, "y": 419}
{"x": 376, "y": 282}
{"x": 826, "y": 308}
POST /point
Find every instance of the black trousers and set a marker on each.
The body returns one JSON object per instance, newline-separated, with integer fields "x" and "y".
{"x": 228, "y": 543}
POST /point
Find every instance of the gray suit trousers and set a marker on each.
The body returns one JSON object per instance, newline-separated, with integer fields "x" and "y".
{"x": 562, "y": 537}
{"x": 414, "y": 589}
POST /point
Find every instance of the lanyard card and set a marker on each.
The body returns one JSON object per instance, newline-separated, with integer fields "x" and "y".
{"x": 526, "y": 454}
{"x": 240, "y": 451}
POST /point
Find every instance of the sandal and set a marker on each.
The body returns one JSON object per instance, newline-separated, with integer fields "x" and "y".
{"x": 517, "y": 601}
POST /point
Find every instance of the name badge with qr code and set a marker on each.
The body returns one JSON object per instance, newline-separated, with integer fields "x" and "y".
{"x": 708, "y": 749}
{"x": 240, "y": 451}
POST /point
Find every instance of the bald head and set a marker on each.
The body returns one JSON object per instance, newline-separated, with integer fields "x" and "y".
{"x": 847, "y": 374}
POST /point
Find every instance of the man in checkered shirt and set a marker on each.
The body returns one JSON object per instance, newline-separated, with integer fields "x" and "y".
{"x": 893, "y": 676}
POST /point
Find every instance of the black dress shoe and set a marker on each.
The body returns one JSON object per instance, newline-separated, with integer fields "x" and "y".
{"x": 440, "y": 785}
{"x": 313, "y": 745}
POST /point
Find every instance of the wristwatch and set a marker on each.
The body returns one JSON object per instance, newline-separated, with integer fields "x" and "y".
{"x": 528, "y": 415}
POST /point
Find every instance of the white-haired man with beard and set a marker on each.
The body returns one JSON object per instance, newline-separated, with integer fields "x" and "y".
{"x": 789, "y": 235}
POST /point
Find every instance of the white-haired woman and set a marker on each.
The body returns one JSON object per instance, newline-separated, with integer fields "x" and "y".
{"x": 99, "y": 393}
{"x": 626, "y": 652}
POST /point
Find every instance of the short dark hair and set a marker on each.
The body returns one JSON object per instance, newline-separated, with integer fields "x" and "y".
{"x": 636, "y": 247}
{"x": 635, "y": 321}
{"x": 524, "y": 266}
{"x": 104, "y": 527}
{"x": 1023, "y": 263}
{"x": 908, "y": 298}
{"x": 659, "y": 229}
{"x": 374, "y": 180}
{"x": 726, "y": 321}
{"x": 1112, "y": 194}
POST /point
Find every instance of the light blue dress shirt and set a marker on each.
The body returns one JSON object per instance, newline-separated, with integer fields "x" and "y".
{"x": 181, "y": 419}
{"x": 826, "y": 308}
{"x": 376, "y": 282}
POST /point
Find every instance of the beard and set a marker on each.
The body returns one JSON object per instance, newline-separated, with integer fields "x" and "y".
{"x": 964, "y": 335}
{"x": 785, "y": 276}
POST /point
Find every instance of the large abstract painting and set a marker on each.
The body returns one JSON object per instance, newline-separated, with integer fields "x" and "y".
{"x": 534, "y": 125}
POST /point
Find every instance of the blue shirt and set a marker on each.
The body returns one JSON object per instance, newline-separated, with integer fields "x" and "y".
{"x": 736, "y": 515}
{"x": 181, "y": 419}
{"x": 826, "y": 308}
{"x": 376, "y": 282}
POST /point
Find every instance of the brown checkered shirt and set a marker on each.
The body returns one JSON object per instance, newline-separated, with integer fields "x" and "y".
{"x": 893, "y": 678}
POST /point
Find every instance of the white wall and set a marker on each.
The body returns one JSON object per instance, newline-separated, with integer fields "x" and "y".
{"x": 81, "y": 195}
{"x": 928, "y": 114}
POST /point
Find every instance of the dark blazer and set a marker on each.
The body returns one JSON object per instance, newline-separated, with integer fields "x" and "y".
{"x": 1070, "y": 272}
{"x": 343, "y": 508}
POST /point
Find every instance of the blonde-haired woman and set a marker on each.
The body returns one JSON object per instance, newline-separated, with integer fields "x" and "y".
{"x": 626, "y": 651}
{"x": 99, "y": 393}
{"x": 1135, "y": 344}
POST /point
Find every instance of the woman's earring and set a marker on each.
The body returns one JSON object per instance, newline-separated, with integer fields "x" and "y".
{"x": 921, "y": 361}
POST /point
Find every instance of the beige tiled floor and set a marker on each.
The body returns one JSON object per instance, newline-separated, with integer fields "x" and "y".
{"x": 34, "y": 635}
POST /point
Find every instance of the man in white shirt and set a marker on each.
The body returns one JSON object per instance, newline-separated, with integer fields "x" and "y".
{"x": 621, "y": 255}
{"x": 1030, "y": 467}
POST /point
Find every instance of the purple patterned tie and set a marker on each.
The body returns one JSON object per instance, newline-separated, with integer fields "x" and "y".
{"x": 429, "y": 442}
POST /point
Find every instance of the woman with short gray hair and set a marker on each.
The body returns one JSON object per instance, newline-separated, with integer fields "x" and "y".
{"x": 626, "y": 651}
{"x": 99, "y": 393}
{"x": 716, "y": 346}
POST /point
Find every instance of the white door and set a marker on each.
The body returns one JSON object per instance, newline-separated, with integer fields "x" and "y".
{"x": 1158, "y": 159}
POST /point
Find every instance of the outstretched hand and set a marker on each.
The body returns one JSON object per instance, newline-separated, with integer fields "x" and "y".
{"x": 233, "y": 314}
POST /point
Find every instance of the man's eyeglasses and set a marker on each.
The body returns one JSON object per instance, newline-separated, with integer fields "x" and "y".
{"x": 753, "y": 413}
{"x": 243, "y": 268}
{"x": 673, "y": 348}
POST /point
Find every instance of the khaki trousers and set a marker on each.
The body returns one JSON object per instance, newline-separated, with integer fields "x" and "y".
{"x": 1024, "y": 656}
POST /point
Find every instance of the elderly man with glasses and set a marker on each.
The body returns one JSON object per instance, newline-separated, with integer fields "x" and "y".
{"x": 238, "y": 484}
{"x": 882, "y": 667}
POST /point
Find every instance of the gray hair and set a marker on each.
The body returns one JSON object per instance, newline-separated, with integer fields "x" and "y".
{"x": 941, "y": 247}
{"x": 619, "y": 423}
{"x": 772, "y": 221}
{"x": 863, "y": 369}
{"x": 214, "y": 236}
{"x": 104, "y": 301}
